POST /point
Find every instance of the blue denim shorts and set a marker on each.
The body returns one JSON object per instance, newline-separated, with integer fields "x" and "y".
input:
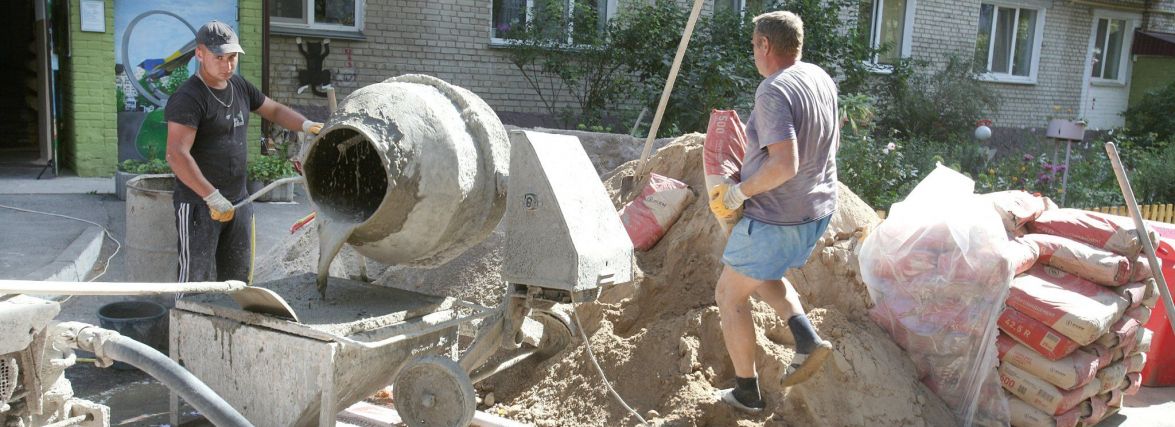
{"x": 765, "y": 252}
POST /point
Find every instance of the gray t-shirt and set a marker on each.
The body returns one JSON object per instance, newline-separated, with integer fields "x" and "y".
{"x": 798, "y": 102}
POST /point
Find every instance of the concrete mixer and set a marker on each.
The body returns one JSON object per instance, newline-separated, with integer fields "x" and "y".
{"x": 413, "y": 171}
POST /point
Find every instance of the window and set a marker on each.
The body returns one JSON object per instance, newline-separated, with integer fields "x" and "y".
{"x": 740, "y": 6}
{"x": 1007, "y": 46}
{"x": 1107, "y": 49}
{"x": 316, "y": 16}
{"x": 564, "y": 21}
{"x": 886, "y": 25}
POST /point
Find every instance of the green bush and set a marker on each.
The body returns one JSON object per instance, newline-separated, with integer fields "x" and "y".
{"x": 924, "y": 103}
{"x": 153, "y": 166}
{"x": 270, "y": 168}
{"x": 1151, "y": 121}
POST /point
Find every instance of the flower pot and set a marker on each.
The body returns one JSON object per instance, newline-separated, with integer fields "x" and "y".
{"x": 1066, "y": 129}
{"x": 283, "y": 193}
{"x": 253, "y": 186}
{"x": 120, "y": 180}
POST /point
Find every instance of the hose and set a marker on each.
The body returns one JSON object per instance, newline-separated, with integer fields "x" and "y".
{"x": 176, "y": 378}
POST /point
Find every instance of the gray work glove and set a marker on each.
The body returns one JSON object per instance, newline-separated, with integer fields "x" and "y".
{"x": 219, "y": 207}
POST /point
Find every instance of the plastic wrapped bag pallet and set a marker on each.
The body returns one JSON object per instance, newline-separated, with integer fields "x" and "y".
{"x": 649, "y": 216}
{"x": 1067, "y": 373}
{"x": 1079, "y": 309}
{"x": 1109, "y": 232}
{"x": 722, "y": 154}
{"x": 938, "y": 278}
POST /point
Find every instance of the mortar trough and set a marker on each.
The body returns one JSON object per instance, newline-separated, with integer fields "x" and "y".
{"x": 282, "y": 373}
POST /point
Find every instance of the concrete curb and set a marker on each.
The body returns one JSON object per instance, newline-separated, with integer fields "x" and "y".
{"x": 75, "y": 262}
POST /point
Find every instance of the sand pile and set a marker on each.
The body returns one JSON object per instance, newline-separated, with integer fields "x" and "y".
{"x": 658, "y": 339}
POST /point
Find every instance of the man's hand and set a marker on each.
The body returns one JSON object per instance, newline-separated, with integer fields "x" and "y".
{"x": 219, "y": 207}
{"x": 726, "y": 200}
{"x": 311, "y": 127}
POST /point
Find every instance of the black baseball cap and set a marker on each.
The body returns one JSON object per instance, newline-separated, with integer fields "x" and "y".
{"x": 219, "y": 38}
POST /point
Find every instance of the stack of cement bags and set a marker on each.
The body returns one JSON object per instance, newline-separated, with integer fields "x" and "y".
{"x": 1071, "y": 341}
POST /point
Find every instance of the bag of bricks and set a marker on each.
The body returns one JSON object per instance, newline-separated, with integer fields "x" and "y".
{"x": 1109, "y": 232}
{"x": 1094, "y": 264}
{"x": 1017, "y": 208}
{"x": 722, "y": 154}
{"x": 649, "y": 216}
{"x": 1079, "y": 309}
{"x": 1036, "y": 335}
{"x": 1067, "y": 373}
{"x": 1042, "y": 395}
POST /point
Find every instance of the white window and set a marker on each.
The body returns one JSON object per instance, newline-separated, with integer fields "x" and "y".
{"x": 510, "y": 17}
{"x": 887, "y": 25}
{"x": 1107, "y": 49}
{"x": 1007, "y": 46}
{"x": 309, "y": 16}
{"x": 741, "y": 6}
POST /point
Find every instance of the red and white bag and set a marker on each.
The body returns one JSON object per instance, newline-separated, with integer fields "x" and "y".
{"x": 1017, "y": 208}
{"x": 1074, "y": 370}
{"x": 649, "y": 216}
{"x": 1036, "y": 335}
{"x": 722, "y": 153}
{"x": 1042, "y": 395}
{"x": 1075, "y": 307}
{"x": 1094, "y": 264}
{"x": 1109, "y": 232}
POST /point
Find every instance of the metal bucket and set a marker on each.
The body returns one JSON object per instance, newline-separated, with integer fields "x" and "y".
{"x": 418, "y": 164}
{"x": 150, "y": 229}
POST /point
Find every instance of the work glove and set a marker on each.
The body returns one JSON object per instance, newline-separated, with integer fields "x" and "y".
{"x": 726, "y": 200}
{"x": 311, "y": 127}
{"x": 219, "y": 207}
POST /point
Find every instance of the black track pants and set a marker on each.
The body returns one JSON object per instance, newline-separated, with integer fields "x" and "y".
{"x": 210, "y": 250}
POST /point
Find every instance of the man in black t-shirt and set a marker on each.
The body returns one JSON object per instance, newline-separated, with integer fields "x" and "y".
{"x": 207, "y": 121}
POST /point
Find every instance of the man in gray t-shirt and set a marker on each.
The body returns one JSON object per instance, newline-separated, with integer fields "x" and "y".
{"x": 788, "y": 196}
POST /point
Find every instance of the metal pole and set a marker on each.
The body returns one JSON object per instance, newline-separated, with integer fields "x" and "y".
{"x": 1065, "y": 176}
{"x": 1143, "y": 236}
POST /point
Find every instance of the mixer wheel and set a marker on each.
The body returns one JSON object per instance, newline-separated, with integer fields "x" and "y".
{"x": 434, "y": 391}
{"x": 557, "y": 333}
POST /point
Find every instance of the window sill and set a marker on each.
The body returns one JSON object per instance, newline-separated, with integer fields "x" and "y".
{"x": 1106, "y": 83}
{"x": 878, "y": 68}
{"x": 998, "y": 78}
{"x": 316, "y": 32}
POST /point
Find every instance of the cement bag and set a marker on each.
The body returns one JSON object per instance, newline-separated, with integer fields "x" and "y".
{"x": 1151, "y": 296}
{"x": 1025, "y": 415}
{"x": 1109, "y": 232}
{"x": 1022, "y": 254}
{"x": 1069, "y": 372}
{"x": 649, "y": 216}
{"x": 1075, "y": 307}
{"x": 1096, "y": 265}
{"x": 1042, "y": 395}
{"x": 722, "y": 154}
{"x": 1134, "y": 293}
{"x": 1122, "y": 331}
{"x": 937, "y": 275}
{"x": 1036, "y": 335}
{"x": 1017, "y": 208}
{"x": 1133, "y": 383}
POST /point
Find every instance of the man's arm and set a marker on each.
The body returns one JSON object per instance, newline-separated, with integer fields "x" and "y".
{"x": 179, "y": 156}
{"x": 282, "y": 115}
{"x": 782, "y": 164}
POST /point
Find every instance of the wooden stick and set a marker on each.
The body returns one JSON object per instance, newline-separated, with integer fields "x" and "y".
{"x": 1140, "y": 226}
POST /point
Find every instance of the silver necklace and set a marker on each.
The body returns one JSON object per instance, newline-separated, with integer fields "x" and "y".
{"x": 232, "y": 96}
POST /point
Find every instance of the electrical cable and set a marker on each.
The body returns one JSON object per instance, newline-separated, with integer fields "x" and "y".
{"x": 117, "y": 244}
{"x": 588, "y": 345}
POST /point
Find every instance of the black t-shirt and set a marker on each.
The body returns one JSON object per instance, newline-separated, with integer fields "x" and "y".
{"x": 220, "y": 148}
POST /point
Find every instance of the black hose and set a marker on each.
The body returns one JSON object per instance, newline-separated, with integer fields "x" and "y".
{"x": 176, "y": 378}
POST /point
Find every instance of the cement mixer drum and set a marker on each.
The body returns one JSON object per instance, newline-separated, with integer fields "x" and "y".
{"x": 419, "y": 166}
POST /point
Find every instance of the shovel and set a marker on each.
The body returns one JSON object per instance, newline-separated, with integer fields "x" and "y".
{"x": 250, "y": 298}
{"x": 627, "y": 181}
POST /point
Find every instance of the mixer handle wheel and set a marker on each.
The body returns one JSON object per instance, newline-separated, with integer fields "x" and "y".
{"x": 434, "y": 391}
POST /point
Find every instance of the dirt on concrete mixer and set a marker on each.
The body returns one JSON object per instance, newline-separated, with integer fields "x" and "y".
{"x": 658, "y": 339}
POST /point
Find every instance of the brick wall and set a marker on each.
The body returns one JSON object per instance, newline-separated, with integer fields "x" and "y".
{"x": 1163, "y": 17}
{"x": 249, "y": 65}
{"x": 89, "y": 142}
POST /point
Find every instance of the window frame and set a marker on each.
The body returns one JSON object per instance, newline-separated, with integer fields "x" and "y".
{"x": 1130, "y": 25}
{"x": 742, "y": 6}
{"x": 1037, "y": 43}
{"x": 904, "y": 51}
{"x": 498, "y": 41}
{"x": 307, "y": 26}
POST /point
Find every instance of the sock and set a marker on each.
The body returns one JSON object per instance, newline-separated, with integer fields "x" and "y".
{"x": 806, "y": 337}
{"x": 746, "y": 390}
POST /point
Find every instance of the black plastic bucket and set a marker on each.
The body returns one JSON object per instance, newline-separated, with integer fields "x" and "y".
{"x": 142, "y": 321}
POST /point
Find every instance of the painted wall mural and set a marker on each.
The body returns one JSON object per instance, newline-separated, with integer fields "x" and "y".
{"x": 154, "y": 53}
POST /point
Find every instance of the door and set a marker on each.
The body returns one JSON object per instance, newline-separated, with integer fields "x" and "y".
{"x": 1107, "y": 69}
